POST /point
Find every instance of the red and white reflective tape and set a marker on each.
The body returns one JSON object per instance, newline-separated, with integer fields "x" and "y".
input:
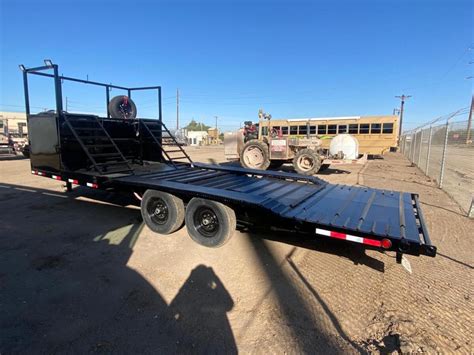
{"x": 73, "y": 181}
{"x": 384, "y": 243}
{"x": 93, "y": 185}
{"x": 56, "y": 177}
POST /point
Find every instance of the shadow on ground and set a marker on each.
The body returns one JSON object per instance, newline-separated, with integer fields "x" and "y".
{"x": 65, "y": 285}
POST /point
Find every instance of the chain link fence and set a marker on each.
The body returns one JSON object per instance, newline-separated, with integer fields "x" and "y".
{"x": 443, "y": 149}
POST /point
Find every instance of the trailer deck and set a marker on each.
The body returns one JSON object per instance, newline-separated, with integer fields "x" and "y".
{"x": 141, "y": 156}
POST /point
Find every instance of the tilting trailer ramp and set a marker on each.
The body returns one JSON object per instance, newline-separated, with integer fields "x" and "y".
{"x": 142, "y": 157}
{"x": 388, "y": 220}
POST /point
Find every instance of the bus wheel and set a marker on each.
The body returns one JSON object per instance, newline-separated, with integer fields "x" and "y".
{"x": 163, "y": 213}
{"x": 209, "y": 223}
{"x": 276, "y": 164}
{"x": 323, "y": 167}
{"x": 307, "y": 162}
{"x": 255, "y": 155}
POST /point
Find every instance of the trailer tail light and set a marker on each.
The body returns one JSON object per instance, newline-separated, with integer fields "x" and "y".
{"x": 55, "y": 177}
{"x": 93, "y": 185}
{"x": 73, "y": 181}
{"x": 385, "y": 243}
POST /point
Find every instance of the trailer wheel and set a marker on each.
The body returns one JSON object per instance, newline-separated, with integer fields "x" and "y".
{"x": 307, "y": 162}
{"x": 122, "y": 107}
{"x": 209, "y": 223}
{"x": 255, "y": 155}
{"x": 163, "y": 213}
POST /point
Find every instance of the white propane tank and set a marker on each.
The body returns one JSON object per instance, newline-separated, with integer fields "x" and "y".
{"x": 345, "y": 143}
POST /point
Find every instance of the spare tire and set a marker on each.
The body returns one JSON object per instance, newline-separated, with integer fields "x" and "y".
{"x": 122, "y": 107}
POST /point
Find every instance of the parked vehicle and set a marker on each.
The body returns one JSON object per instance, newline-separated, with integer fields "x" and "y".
{"x": 129, "y": 154}
{"x": 265, "y": 146}
{"x": 7, "y": 145}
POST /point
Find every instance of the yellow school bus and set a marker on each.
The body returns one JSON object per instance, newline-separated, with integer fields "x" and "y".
{"x": 376, "y": 134}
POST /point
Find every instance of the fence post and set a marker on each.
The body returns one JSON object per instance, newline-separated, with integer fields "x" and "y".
{"x": 414, "y": 149}
{"x": 443, "y": 159}
{"x": 421, "y": 146}
{"x": 429, "y": 151}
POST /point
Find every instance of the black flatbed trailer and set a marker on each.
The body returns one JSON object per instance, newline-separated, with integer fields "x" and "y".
{"x": 136, "y": 156}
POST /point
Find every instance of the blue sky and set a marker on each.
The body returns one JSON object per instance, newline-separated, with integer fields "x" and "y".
{"x": 292, "y": 58}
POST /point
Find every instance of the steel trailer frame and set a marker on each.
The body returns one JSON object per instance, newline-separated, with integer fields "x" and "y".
{"x": 380, "y": 219}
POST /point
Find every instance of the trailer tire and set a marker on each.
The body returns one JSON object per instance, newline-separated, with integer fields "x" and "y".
{"x": 255, "y": 155}
{"x": 163, "y": 213}
{"x": 307, "y": 162}
{"x": 122, "y": 107}
{"x": 209, "y": 223}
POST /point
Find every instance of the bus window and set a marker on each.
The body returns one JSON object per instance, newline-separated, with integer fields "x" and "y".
{"x": 312, "y": 129}
{"x": 284, "y": 131}
{"x": 342, "y": 128}
{"x": 387, "y": 128}
{"x": 322, "y": 129}
{"x": 264, "y": 131}
{"x": 293, "y": 129}
{"x": 353, "y": 128}
{"x": 364, "y": 128}
{"x": 303, "y": 129}
{"x": 375, "y": 128}
{"x": 332, "y": 128}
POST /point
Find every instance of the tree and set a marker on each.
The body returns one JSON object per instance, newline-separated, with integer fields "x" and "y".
{"x": 197, "y": 126}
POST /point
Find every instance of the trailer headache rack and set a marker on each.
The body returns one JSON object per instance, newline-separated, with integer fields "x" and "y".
{"x": 143, "y": 157}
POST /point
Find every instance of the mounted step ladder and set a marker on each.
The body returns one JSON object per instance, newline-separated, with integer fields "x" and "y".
{"x": 170, "y": 147}
{"x": 96, "y": 142}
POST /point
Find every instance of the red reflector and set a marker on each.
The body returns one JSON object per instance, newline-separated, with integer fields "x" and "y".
{"x": 372, "y": 242}
{"x": 386, "y": 243}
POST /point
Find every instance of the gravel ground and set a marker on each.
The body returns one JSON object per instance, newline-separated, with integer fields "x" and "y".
{"x": 80, "y": 272}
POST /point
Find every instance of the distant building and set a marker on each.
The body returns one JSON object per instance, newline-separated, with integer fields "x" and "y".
{"x": 212, "y": 136}
{"x": 197, "y": 137}
{"x": 16, "y": 122}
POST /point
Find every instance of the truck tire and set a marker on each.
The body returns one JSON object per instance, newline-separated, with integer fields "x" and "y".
{"x": 163, "y": 213}
{"x": 122, "y": 107}
{"x": 255, "y": 155}
{"x": 26, "y": 151}
{"x": 209, "y": 223}
{"x": 307, "y": 162}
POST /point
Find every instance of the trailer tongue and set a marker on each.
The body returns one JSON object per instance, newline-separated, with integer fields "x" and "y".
{"x": 141, "y": 156}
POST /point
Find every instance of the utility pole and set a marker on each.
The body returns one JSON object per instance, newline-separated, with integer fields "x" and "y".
{"x": 402, "y": 105}
{"x": 216, "y": 122}
{"x": 469, "y": 122}
{"x": 177, "y": 108}
{"x": 66, "y": 103}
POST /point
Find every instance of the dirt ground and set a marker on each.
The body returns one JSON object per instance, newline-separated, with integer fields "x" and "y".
{"x": 79, "y": 272}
